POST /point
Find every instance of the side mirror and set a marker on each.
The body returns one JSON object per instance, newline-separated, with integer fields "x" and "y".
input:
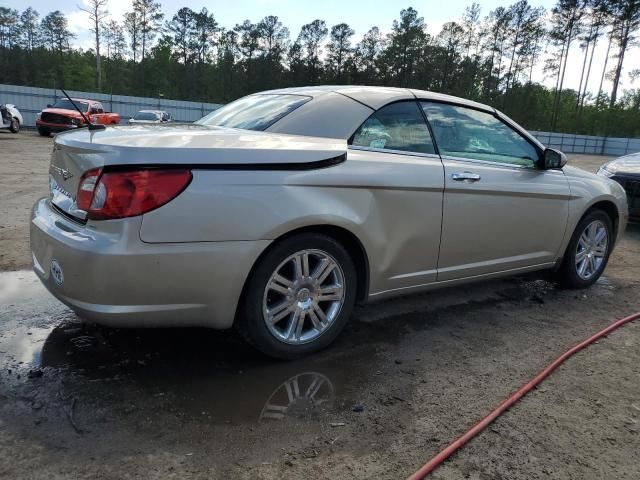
{"x": 553, "y": 159}
{"x": 49, "y": 105}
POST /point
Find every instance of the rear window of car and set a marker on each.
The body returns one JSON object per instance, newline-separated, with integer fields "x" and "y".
{"x": 146, "y": 116}
{"x": 67, "y": 105}
{"x": 254, "y": 112}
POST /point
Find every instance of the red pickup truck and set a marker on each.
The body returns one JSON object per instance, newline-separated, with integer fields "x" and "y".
{"x": 63, "y": 116}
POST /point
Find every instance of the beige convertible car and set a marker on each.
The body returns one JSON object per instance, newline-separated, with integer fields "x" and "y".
{"x": 278, "y": 212}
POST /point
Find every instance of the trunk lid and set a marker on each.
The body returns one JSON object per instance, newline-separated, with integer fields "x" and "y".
{"x": 197, "y": 146}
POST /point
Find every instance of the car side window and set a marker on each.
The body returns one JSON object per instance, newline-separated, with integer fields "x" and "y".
{"x": 469, "y": 133}
{"x": 398, "y": 126}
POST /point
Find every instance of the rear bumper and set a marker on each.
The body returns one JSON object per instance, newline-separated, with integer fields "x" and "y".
{"x": 113, "y": 278}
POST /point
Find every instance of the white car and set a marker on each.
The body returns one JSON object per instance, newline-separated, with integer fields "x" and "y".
{"x": 10, "y": 118}
{"x": 150, "y": 116}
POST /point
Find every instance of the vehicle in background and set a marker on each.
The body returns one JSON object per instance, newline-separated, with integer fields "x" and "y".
{"x": 10, "y": 118}
{"x": 62, "y": 116}
{"x": 150, "y": 116}
{"x": 626, "y": 171}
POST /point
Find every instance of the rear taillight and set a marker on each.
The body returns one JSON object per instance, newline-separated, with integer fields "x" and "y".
{"x": 107, "y": 195}
{"x": 86, "y": 188}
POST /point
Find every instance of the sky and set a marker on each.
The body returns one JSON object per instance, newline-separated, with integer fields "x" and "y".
{"x": 359, "y": 14}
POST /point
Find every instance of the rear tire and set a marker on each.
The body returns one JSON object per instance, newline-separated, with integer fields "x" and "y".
{"x": 588, "y": 251}
{"x": 299, "y": 296}
{"x": 43, "y": 132}
{"x": 15, "y": 125}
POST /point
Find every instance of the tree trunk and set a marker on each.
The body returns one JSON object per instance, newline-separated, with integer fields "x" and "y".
{"x": 556, "y": 92}
{"x": 584, "y": 66}
{"x": 500, "y": 55}
{"x": 513, "y": 54}
{"x": 616, "y": 79}
{"x": 604, "y": 69}
{"x": 487, "y": 85}
{"x": 533, "y": 58}
{"x": 586, "y": 81}
{"x": 98, "y": 59}
{"x": 564, "y": 70}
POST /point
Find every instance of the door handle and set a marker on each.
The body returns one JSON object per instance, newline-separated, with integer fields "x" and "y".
{"x": 465, "y": 176}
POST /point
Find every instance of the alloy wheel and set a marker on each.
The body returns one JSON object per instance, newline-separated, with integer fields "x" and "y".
{"x": 591, "y": 250}
{"x": 303, "y": 296}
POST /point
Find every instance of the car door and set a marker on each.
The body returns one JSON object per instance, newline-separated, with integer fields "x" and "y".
{"x": 500, "y": 211}
{"x": 397, "y": 162}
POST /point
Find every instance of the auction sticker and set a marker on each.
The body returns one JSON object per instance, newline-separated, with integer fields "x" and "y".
{"x": 56, "y": 272}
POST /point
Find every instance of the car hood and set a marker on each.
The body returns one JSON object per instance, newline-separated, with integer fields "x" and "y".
{"x": 62, "y": 111}
{"x": 627, "y": 164}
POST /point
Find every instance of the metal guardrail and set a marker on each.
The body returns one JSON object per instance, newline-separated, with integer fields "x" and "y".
{"x": 571, "y": 143}
{"x": 31, "y": 100}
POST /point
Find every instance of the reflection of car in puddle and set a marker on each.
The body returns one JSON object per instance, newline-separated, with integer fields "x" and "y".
{"x": 202, "y": 374}
{"x": 298, "y": 396}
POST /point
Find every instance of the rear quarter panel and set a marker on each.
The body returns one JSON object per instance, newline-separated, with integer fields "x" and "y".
{"x": 391, "y": 203}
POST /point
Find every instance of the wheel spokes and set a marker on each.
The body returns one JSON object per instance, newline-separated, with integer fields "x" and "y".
{"x": 297, "y": 265}
{"x": 303, "y": 296}
{"x": 601, "y": 250}
{"x": 322, "y": 271}
{"x": 584, "y": 240}
{"x": 279, "y": 312}
{"x": 280, "y": 284}
{"x": 591, "y": 250}
{"x": 330, "y": 294}
{"x": 583, "y": 267}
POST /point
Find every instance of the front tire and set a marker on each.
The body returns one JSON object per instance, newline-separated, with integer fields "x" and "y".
{"x": 588, "y": 251}
{"x": 15, "y": 125}
{"x": 43, "y": 132}
{"x": 299, "y": 296}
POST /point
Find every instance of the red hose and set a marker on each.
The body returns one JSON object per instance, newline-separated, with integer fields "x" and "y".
{"x": 478, "y": 427}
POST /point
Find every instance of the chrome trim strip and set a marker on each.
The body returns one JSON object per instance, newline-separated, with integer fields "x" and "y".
{"x": 414, "y": 274}
{"x": 395, "y": 152}
{"x": 538, "y": 266}
{"x": 487, "y": 162}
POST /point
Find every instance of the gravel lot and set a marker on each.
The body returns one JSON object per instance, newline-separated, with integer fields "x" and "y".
{"x": 405, "y": 378}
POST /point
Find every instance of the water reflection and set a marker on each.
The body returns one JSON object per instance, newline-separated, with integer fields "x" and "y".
{"x": 297, "y": 396}
{"x": 195, "y": 373}
{"x": 200, "y": 373}
{"x": 28, "y": 314}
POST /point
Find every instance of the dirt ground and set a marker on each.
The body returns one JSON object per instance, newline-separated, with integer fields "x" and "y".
{"x": 405, "y": 378}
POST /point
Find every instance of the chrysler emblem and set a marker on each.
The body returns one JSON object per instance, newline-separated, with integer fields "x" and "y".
{"x": 65, "y": 174}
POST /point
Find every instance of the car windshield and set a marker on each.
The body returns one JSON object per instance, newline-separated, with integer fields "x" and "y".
{"x": 145, "y": 116}
{"x": 255, "y": 112}
{"x": 67, "y": 105}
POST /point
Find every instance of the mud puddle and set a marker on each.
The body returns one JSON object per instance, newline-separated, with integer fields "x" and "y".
{"x": 197, "y": 373}
{"x": 205, "y": 374}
